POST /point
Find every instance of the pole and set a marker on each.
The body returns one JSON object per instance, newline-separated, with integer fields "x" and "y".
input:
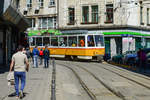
{"x": 53, "y": 84}
{"x": 57, "y": 14}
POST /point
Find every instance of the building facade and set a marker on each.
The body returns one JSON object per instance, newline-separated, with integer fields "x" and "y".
{"x": 12, "y": 24}
{"x": 42, "y": 14}
{"x": 125, "y": 23}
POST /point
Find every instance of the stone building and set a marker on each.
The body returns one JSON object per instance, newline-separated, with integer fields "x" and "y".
{"x": 12, "y": 24}
{"x": 42, "y": 14}
{"x": 125, "y": 23}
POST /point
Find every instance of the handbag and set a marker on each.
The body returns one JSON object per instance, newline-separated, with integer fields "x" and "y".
{"x": 10, "y": 78}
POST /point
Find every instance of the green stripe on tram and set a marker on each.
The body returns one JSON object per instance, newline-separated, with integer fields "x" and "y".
{"x": 41, "y": 32}
{"x": 125, "y": 33}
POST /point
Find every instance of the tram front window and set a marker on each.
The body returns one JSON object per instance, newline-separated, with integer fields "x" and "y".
{"x": 90, "y": 41}
{"x": 54, "y": 41}
{"x": 62, "y": 41}
{"x": 99, "y": 39}
{"x": 39, "y": 41}
{"x": 72, "y": 41}
{"x": 46, "y": 41}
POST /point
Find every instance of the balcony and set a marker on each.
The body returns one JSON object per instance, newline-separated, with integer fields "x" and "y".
{"x": 12, "y": 15}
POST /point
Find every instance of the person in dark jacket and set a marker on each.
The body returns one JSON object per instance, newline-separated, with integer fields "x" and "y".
{"x": 35, "y": 53}
{"x": 46, "y": 57}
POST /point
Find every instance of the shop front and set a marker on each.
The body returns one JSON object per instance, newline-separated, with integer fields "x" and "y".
{"x": 12, "y": 23}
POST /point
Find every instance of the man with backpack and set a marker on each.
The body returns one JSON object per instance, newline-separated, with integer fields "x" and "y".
{"x": 46, "y": 57}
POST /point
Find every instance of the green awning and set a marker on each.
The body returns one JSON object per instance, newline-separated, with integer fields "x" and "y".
{"x": 125, "y": 33}
{"x": 41, "y": 32}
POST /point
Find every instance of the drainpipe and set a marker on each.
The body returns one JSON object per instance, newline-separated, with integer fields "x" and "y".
{"x": 57, "y": 14}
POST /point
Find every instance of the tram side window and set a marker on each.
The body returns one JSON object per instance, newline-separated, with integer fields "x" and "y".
{"x": 72, "y": 41}
{"x": 46, "y": 41}
{"x": 99, "y": 39}
{"x": 62, "y": 41}
{"x": 81, "y": 41}
{"x": 54, "y": 41}
{"x": 32, "y": 41}
{"x": 90, "y": 41}
{"x": 39, "y": 41}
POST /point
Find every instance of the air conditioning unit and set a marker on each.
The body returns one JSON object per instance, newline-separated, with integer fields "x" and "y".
{"x": 25, "y": 9}
{"x": 37, "y": 8}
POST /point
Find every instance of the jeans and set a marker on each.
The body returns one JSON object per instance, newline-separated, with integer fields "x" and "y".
{"x": 19, "y": 76}
{"x": 41, "y": 60}
{"x": 46, "y": 62}
{"x": 35, "y": 59}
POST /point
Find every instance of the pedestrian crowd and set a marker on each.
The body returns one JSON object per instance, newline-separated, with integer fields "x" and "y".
{"x": 20, "y": 64}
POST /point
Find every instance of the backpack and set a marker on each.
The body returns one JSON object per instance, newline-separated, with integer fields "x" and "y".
{"x": 41, "y": 53}
{"x": 46, "y": 53}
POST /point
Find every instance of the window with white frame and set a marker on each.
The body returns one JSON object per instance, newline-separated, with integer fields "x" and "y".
{"x": 29, "y": 3}
{"x": 94, "y": 13}
{"x": 47, "y": 22}
{"x": 71, "y": 12}
{"x": 52, "y": 3}
{"x": 109, "y": 13}
{"x": 41, "y": 3}
{"x": 141, "y": 15}
{"x": 85, "y": 14}
{"x": 32, "y": 22}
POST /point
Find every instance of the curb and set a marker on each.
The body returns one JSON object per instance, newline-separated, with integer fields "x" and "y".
{"x": 123, "y": 66}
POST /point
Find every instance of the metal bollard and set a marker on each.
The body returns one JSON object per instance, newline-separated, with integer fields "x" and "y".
{"x": 53, "y": 85}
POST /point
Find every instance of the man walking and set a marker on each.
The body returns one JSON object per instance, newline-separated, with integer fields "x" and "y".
{"x": 35, "y": 53}
{"x": 46, "y": 57}
{"x": 21, "y": 65}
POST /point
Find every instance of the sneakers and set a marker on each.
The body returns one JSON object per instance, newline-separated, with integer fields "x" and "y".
{"x": 21, "y": 94}
{"x": 17, "y": 97}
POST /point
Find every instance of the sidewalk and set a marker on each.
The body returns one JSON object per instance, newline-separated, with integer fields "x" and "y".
{"x": 38, "y": 85}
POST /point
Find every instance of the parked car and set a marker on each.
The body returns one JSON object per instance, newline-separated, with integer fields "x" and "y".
{"x": 124, "y": 58}
{"x": 130, "y": 58}
{"x": 118, "y": 58}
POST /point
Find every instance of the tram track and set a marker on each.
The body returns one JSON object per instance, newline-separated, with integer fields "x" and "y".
{"x": 127, "y": 74}
{"x": 90, "y": 93}
{"x": 143, "y": 82}
{"x": 138, "y": 75}
{"x": 140, "y": 80}
{"x": 124, "y": 74}
{"x": 92, "y": 96}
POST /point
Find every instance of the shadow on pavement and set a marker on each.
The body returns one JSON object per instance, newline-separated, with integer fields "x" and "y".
{"x": 14, "y": 94}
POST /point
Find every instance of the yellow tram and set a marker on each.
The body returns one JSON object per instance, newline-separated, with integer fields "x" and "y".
{"x": 81, "y": 46}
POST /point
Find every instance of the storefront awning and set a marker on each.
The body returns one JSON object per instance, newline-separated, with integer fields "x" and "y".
{"x": 42, "y": 32}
